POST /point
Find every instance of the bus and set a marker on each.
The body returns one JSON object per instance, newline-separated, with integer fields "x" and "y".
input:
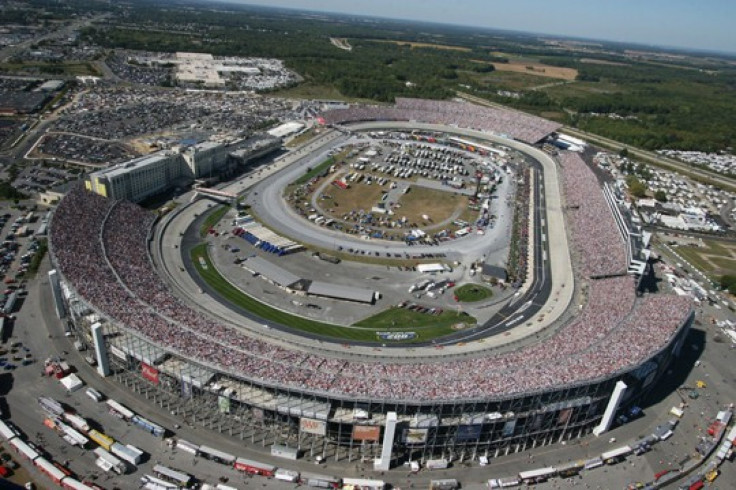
{"x": 171, "y": 475}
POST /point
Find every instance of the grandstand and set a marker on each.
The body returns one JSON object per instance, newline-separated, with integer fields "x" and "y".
{"x": 500, "y": 122}
{"x": 537, "y": 394}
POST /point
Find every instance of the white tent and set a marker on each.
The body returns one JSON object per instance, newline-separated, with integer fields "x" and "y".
{"x": 72, "y": 382}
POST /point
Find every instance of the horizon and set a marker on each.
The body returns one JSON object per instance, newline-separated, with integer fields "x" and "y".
{"x": 680, "y": 31}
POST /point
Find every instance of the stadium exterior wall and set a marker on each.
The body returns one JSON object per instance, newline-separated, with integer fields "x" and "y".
{"x": 455, "y": 429}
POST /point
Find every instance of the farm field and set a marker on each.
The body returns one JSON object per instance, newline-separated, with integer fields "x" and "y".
{"x": 715, "y": 258}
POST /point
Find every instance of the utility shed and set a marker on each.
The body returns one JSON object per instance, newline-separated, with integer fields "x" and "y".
{"x": 271, "y": 272}
{"x": 340, "y": 291}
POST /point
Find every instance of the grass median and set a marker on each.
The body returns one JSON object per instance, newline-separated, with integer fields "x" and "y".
{"x": 427, "y": 327}
{"x": 469, "y": 293}
{"x": 213, "y": 218}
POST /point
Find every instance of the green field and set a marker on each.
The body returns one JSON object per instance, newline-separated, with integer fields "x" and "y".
{"x": 60, "y": 68}
{"x": 315, "y": 171}
{"x": 426, "y": 326}
{"x": 468, "y": 293}
{"x": 714, "y": 258}
{"x": 213, "y": 218}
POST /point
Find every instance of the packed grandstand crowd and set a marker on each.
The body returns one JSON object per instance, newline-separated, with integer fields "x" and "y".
{"x": 602, "y": 252}
{"x": 100, "y": 247}
{"x": 516, "y": 125}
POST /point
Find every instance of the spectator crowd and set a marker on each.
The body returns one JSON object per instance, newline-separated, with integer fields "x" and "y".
{"x": 595, "y": 235}
{"x": 101, "y": 249}
{"x": 502, "y": 122}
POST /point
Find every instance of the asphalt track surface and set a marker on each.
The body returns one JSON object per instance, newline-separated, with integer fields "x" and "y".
{"x": 533, "y": 300}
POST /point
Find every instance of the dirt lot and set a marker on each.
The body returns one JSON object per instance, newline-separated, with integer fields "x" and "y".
{"x": 438, "y": 205}
{"x": 534, "y": 68}
{"x": 424, "y": 45}
{"x": 359, "y": 196}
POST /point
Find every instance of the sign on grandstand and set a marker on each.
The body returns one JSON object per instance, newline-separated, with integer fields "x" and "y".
{"x": 508, "y": 428}
{"x": 312, "y": 426}
{"x": 564, "y": 416}
{"x": 366, "y": 433}
{"x": 118, "y": 353}
{"x": 397, "y": 335}
{"x": 223, "y": 403}
{"x": 468, "y": 433}
{"x": 415, "y": 436}
{"x": 186, "y": 389}
{"x": 150, "y": 373}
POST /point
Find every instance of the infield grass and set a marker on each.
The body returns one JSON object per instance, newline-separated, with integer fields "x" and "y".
{"x": 427, "y": 327}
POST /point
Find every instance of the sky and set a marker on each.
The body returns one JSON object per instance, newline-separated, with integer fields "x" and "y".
{"x": 693, "y": 24}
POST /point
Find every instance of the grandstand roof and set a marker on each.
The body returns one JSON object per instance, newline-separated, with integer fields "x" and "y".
{"x": 340, "y": 291}
{"x": 271, "y": 271}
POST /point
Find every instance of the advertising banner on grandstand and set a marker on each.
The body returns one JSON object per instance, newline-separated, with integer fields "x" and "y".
{"x": 415, "y": 436}
{"x": 508, "y": 428}
{"x": 223, "y": 403}
{"x": 118, "y": 353}
{"x": 564, "y": 416}
{"x": 186, "y": 389}
{"x": 468, "y": 432}
{"x": 396, "y": 335}
{"x": 312, "y": 426}
{"x": 150, "y": 373}
{"x": 366, "y": 433}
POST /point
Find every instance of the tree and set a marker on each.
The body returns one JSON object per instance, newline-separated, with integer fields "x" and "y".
{"x": 623, "y": 153}
{"x": 660, "y": 196}
{"x": 729, "y": 282}
{"x": 637, "y": 188}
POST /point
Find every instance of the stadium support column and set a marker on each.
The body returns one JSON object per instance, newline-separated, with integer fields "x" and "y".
{"x": 384, "y": 463}
{"x": 98, "y": 339}
{"x": 613, "y": 403}
{"x": 56, "y": 293}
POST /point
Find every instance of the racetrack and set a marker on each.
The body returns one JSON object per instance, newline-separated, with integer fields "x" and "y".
{"x": 540, "y": 302}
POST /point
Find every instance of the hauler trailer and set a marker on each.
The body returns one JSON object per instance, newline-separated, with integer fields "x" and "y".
{"x": 145, "y": 424}
{"x": 119, "y": 410}
{"x": 616, "y": 455}
{"x": 51, "y": 406}
{"x": 128, "y": 453}
{"x": 254, "y": 467}
{"x": 152, "y": 483}
{"x": 77, "y": 422}
{"x": 286, "y": 475}
{"x": 108, "y": 462}
{"x": 362, "y": 484}
{"x": 537, "y": 476}
{"x": 320, "y": 481}
{"x": 171, "y": 475}
{"x": 49, "y": 470}
{"x": 103, "y": 440}
{"x": 24, "y": 449}
{"x": 187, "y": 446}
{"x": 446, "y": 484}
{"x": 215, "y": 455}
